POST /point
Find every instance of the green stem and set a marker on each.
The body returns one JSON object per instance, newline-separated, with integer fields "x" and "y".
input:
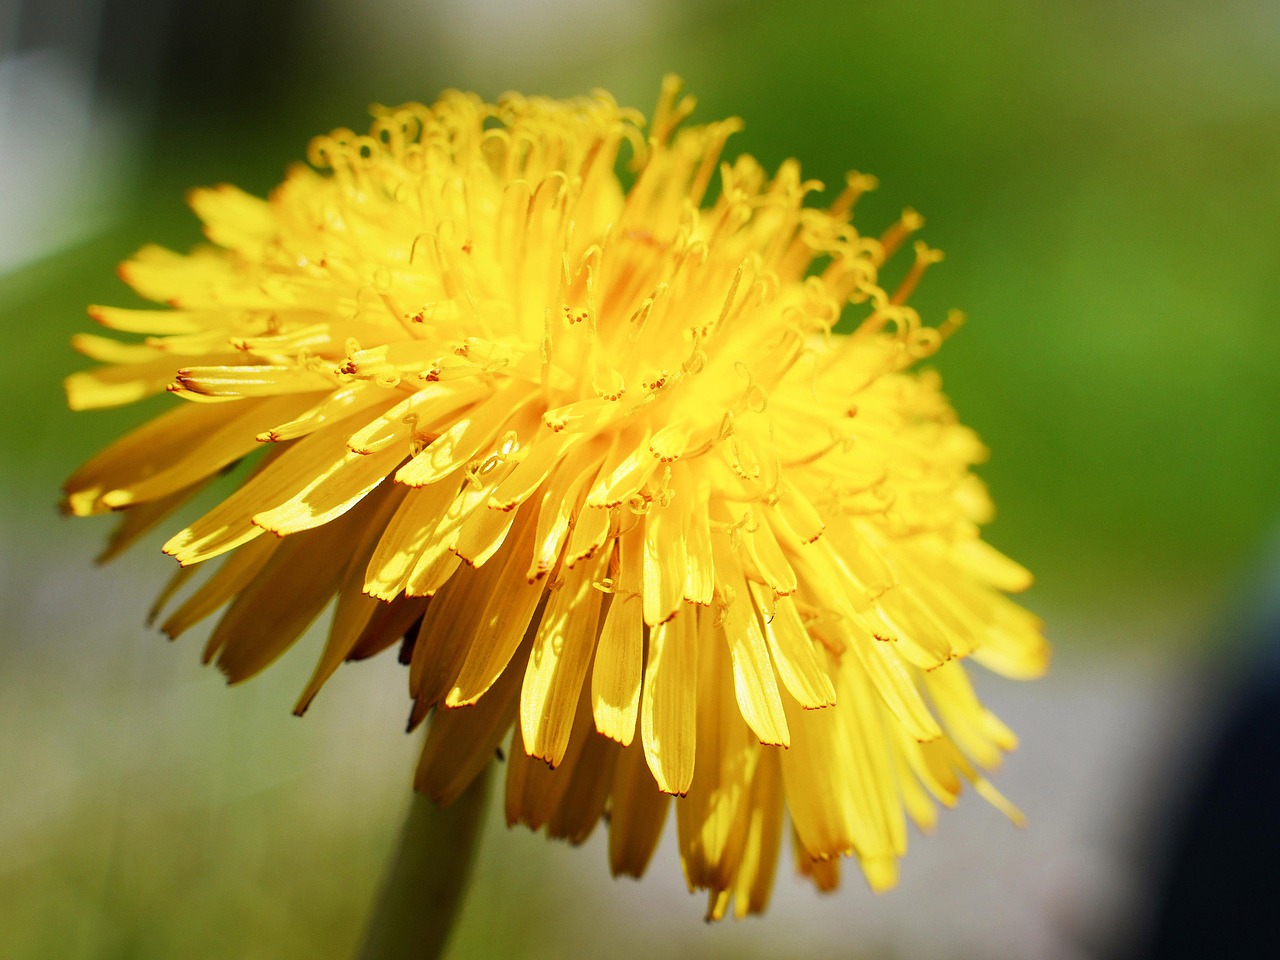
{"x": 424, "y": 887}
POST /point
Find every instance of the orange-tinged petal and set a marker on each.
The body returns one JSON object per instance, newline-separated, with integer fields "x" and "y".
{"x": 461, "y": 741}
{"x": 236, "y": 573}
{"x": 637, "y": 812}
{"x": 258, "y": 627}
{"x": 354, "y": 610}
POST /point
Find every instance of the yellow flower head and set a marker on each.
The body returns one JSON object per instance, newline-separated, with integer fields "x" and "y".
{"x": 594, "y": 452}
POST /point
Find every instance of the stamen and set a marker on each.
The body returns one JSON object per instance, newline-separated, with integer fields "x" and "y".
{"x": 669, "y": 113}
{"x": 907, "y": 224}
{"x": 856, "y": 184}
{"x": 925, "y": 256}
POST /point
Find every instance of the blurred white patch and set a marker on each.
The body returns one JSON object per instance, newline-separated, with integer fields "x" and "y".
{"x": 491, "y": 37}
{"x": 63, "y": 156}
{"x": 544, "y": 31}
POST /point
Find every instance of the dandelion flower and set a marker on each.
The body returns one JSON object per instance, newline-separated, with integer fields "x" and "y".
{"x": 595, "y": 457}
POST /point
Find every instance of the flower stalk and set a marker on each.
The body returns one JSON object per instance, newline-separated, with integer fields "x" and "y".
{"x": 427, "y": 879}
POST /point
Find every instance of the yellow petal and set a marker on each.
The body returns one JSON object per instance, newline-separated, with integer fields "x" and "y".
{"x": 158, "y": 322}
{"x": 825, "y": 874}
{"x": 668, "y": 708}
{"x": 818, "y": 775}
{"x": 884, "y": 667}
{"x": 107, "y": 350}
{"x": 545, "y": 452}
{"x": 993, "y": 566}
{"x": 431, "y": 571}
{"x": 615, "y": 678}
{"x": 199, "y": 280}
{"x": 481, "y": 534}
{"x": 915, "y": 799}
{"x": 404, "y": 538}
{"x": 700, "y": 575}
{"x": 499, "y": 628}
{"x": 417, "y": 414}
{"x": 536, "y": 791}
{"x": 754, "y": 881}
{"x": 559, "y": 503}
{"x": 354, "y": 610}
{"x": 231, "y": 523}
{"x": 140, "y": 520}
{"x": 773, "y": 567}
{"x": 466, "y": 438}
{"x": 229, "y": 436}
{"x": 250, "y": 381}
{"x": 558, "y": 664}
{"x": 975, "y": 729}
{"x": 712, "y": 820}
{"x": 387, "y": 626}
{"x": 351, "y": 616}
{"x": 332, "y": 491}
{"x": 797, "y": 657}
{"x": 590, "y": 531}
{"x": 234, "y": 219}
{"x": 448, "y": 630}
{"x": 665, "y": 567}
{"x": 1014, "y": 646}
{"x": 623, "y": 473}
{"x": 795, "y": 517}
{"x": 913, "y": 629}
{"x": 754, "y": 681}
{"x": 112, "y": 386}
{"x": 878, "y": 822}
{"x": 338, "y": 405}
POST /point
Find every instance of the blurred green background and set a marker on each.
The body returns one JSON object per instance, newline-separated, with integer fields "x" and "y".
{"x": 1103, "y": 178}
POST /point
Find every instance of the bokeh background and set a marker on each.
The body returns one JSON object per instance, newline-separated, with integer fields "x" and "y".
{"x": 1105, "y": 179}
